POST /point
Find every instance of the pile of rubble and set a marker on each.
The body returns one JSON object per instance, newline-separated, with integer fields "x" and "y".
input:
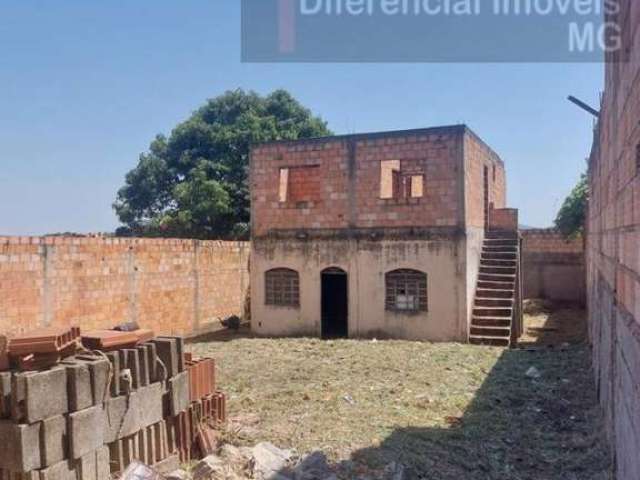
{"x": 84, "y": 406}
{"x": 265, "y": 461}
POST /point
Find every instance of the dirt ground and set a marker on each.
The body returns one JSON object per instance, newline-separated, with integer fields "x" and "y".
{"x": 446, "y": 411}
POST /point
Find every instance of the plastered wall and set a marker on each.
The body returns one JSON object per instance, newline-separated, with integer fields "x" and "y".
{"x": 365, "y": 263}
{"x": 552, "y": 266}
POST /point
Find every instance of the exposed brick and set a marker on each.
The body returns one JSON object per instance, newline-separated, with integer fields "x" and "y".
{"x": 126, "y": 280}
{"x": 612, "y": 258}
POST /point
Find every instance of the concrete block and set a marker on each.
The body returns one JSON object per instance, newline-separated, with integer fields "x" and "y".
{"x": 143, "y": 446}
{"x": 169, "y": 464}
{"x": 114, "y": 359}
{"x": 150, "y": 404}
{"x": 78, "y": 386}
{"x": 128, "y": 414}
{"x": 102, "y": 463}
{"x": 178, "y": 393}
{"x": 143, "y": 360}
{"x": 172, "y": 434}
{"x": 130, "y": 449}
{"x": 32, "y": 475}
{"x": 85, "y": 431}
{"x": 20, "y": 450}
{"x": 99, "y": 370}
{"x": 129, "y": 359}
{"x": 60, "y": 471}
{"x": 121, "y": 417}
{"x": 39, "y": 395}
{"x": 116, "y": 456}
{"x": 53, "y": 440}
{"x": 180, "y": 351}
{"x": 153, "y": 364}
{"x": 5, "y": 394}
{"x": 167, "y": 352}
{"x": 94, "y": 465}
{"x": 86, "y": 467}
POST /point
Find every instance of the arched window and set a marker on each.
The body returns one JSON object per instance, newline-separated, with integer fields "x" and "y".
{"x": 406, "y": 291}
{"x": 282, "y": 287}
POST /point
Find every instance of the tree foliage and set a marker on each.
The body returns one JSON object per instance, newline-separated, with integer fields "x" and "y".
{"x": 194, "y": 183}
{"x": 571, "y": 216}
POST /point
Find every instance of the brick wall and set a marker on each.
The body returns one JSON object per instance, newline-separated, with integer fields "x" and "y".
{"x": 503, "y": 218}
{"x": 552, "y": 266}
{"x": 349, "y": 177}
{"x": 171, "y": 286}
{"x": 478, "y": 156}
{"x": 613, "y": 258}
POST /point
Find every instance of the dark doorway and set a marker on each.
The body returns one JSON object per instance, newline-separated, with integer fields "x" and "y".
{"x": 335, "y": 303}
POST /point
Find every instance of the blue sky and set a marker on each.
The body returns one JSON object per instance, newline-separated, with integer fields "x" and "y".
{"x": 85, "y": 85}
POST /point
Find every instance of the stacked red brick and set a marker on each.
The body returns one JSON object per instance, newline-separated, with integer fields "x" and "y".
{"x": 206, "y": 410}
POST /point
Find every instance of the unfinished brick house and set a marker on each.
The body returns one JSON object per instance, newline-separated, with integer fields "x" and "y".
{"x": 613, "y": 247}
{"x": 381, "y": 235}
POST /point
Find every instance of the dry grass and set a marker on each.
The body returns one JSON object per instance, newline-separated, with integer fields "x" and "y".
{"x": 448, "y": 411}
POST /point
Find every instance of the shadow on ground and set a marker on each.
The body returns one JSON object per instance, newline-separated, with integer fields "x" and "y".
{"x": 544, "y": 425}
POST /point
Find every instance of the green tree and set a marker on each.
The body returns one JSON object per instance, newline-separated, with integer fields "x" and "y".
{"x": 571, "y": 216}
{"x": 194, "y": 183}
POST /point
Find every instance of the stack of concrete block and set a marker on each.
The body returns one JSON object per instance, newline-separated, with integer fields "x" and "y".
{"x": 51, "y": 423}
{"x": 155, "y": 389}
{"x": 92, "y": 414}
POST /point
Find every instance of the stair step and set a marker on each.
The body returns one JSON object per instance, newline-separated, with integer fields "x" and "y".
{"x": 499, "y": 249}
{"x": 501, "y": 234}
{"x": 498, "y": 270}
{"x": 497, "y": 262}
{"x": 507, "y": 242}
{"x": 499, "y": 256}
{"x": 496, "y": 285}
{"x": 506, "y": 312}
{"x": 491, "y": 331}
{"x": 493, "y": 302}
{"x": 494, "y": 293}
{"x": 494, "y": 277}
{"x": 489, "y": 340}
{"x": 491, "y": 322}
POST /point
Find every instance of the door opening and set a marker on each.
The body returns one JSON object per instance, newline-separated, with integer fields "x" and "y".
{"x": 334, "y": 303}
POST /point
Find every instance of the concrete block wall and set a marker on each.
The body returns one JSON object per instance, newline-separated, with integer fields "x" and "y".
{"x": 613, "y": 253}
{"x": 170, "y": 286}
{"x": 553, "y": 266}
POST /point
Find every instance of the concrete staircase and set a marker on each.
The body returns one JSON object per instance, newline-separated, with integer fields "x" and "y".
{"x": 494, "y": 306}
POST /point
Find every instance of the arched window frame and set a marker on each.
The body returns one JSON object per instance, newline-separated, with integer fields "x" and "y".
{"x": 406, "y": 291}
{"x": 282, "y": 287}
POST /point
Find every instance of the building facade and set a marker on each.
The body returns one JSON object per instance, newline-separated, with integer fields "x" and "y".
{"x": 613, "y": 246}
{"x": 371, "y": 235}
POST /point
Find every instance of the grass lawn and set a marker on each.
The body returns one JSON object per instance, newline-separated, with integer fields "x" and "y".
{"x": 447, "y": 411}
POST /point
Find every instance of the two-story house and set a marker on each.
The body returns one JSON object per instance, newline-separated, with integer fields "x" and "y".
{"x": 380, "y": 235}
